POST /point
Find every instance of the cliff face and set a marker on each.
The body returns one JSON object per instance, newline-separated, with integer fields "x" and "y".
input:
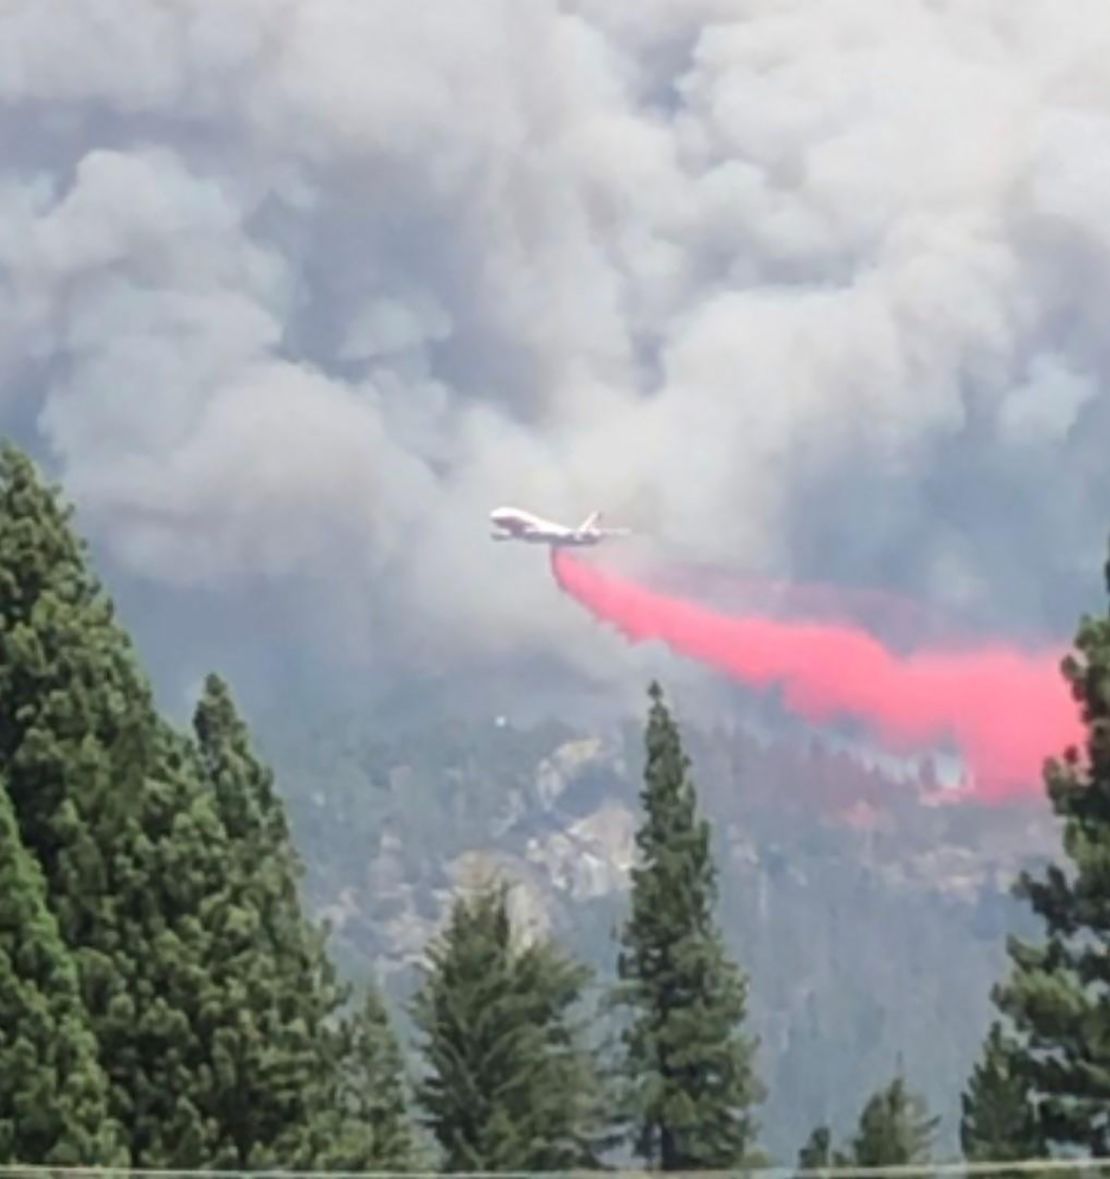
{"x": 871, "y": 923}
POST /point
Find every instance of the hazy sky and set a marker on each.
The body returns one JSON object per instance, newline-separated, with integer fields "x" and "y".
{"x": 294, "y": 291}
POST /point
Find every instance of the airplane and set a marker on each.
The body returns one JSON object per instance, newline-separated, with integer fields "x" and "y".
{"x": 514, "y": 524}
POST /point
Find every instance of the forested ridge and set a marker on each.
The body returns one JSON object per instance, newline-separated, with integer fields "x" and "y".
{"x": 170, "y": 1001}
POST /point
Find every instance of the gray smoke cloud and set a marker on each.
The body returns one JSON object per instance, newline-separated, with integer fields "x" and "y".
{"x": 295, "y": 291}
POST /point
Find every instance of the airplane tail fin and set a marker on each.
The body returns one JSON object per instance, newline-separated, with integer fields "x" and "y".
{"x": 591, "y": 521}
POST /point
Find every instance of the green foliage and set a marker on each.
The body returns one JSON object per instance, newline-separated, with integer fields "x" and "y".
{"x": 508, "y": 1084}
{"x": 271, "y": 1098}
{"x": 689, "y": 1066}
{"x": 817, "y": 1152}
{"x": 248, "y": 805}
{"x": 1056, "y": 993}
{"x": 53, "y": 1094}
{"x": 895, "y": 1129}
{"x": 998, "y": 1119}
{"x": 884, "y": 970}
{"x": 211, "y": 1043}
{"x": 105, "y": 801}
{"x": 168, "y": 868}
{"x": 373, "y": 1129}
{"x": 76, "y": 712}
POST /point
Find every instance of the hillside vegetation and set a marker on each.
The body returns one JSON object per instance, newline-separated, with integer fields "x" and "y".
{"x": 872, "y": 923}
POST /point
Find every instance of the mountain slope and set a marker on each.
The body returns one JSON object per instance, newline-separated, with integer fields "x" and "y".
{"x": 872, "y": 923}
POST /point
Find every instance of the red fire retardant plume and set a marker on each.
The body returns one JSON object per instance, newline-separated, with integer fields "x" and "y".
{"x": 1005, "y": 710}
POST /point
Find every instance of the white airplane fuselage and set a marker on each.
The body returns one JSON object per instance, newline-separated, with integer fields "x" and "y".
{"x": 515, "y": 524}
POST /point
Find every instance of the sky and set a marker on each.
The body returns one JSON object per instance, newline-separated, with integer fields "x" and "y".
{"x": 295, "y": 291}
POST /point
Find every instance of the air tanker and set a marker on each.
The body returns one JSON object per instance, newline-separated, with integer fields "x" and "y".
{"x": 514, "y": 524}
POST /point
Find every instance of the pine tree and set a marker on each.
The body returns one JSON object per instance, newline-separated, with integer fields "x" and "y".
{"x": 575, "y": 1116}
{"x": 373, "y": 1130}
{"x": 688, "y": 1063}
{"x": 111, "y": 801}
{"x": 165, "y": 883}
{"x": 75, "y": 710}
{"x": 895, "y": 1129}
{"x": 274, "y": 1094}
{"x": 818, "y": 1153}
{"x": 248, "y": 804}
{"x": 53, "y": 1094}
{"x": 508, "y": 1085}
{"x": 1056, "y": 993}
{"x": 96, "y": 788}
{"x": 998, "y": 1120}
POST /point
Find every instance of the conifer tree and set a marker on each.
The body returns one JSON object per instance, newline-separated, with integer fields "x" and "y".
{"x": 100, "y": 795}
{"x": 508, "y": 1084}
{"x": 818, "y": 1153}
{"x": 895, "y": 1129}
{"x": 691, "y": 1084}
{"x": 817, "y": 1150}
{"x": 247, "y": 801}
{"x": 110, "y": 800}
{"x": 1056, "y": 993}
{"x": 998, "y": 1120}
{"x": 53, "y": 1094}
{"x": 274, "y": 1096}
{"x": 373, "y": 1129}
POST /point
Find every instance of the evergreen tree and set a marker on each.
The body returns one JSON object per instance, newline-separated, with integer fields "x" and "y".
{"x": 248, "y": 804}
{"x": 1056, "y": 993}
{"x": 53, "y": 1094}
{"x": 96, "y": 788}
{"x": 689, "y": 1065}
{"x": 274, "y": 1095}
{"x": 816, "y": 1151}
{"x": 895, "y": 1129}
{"x": 111, "y": 802}
{"x": 508, "y": 1086}
{"x": 373, "y": 1129}
{"x": 818, "y": 1154}
{"x": 998, "y": 1119}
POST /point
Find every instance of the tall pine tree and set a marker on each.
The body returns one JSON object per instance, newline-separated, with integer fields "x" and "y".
{"x": 97, "y": 789}
{"x": 997, "y": 1118}
{"x": 53, "y": 1094}
{"x": 1056, "y": 995}
{"x": 691, "y": 1084}
{"x": 275, "y": 1087}
{"x": 508, "y": 1085}
{"x": 111, "y": 801}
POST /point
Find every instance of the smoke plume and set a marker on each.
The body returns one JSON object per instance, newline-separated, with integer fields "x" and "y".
{"x": 295, "y": 291}
{"x": 1006, "y": 710}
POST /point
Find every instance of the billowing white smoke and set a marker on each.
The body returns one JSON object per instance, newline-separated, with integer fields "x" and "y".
{"x": 298, "y": 289}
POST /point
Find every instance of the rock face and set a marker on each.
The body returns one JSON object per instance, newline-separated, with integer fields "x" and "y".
{"x": 590, "y": 858}
{"x": 872, "y": 924}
